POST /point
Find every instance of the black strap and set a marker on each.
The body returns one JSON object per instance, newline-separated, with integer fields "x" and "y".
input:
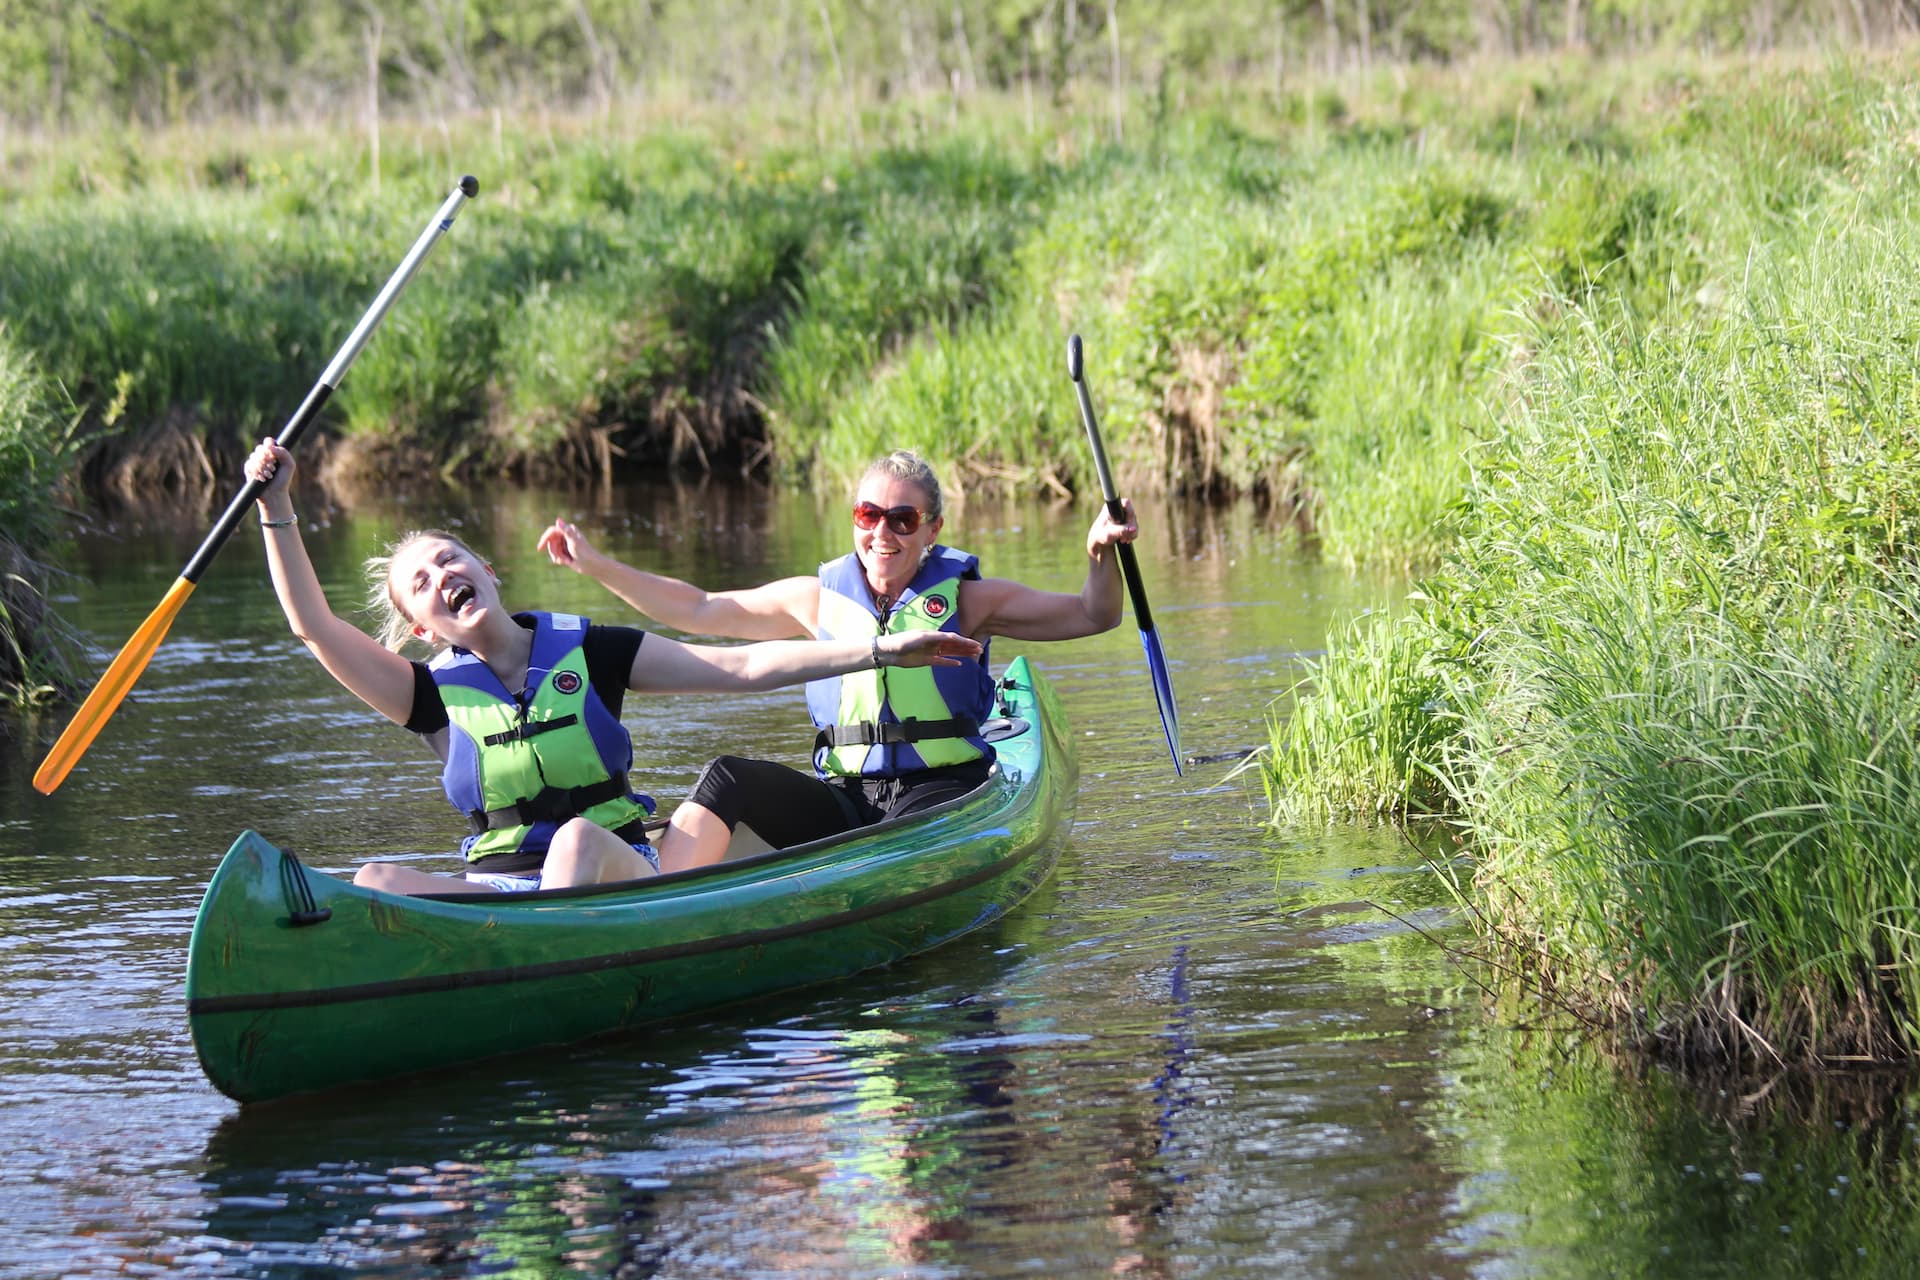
{"x": 553, "y": 804}
{"x": 531, "y": 729}
{"x": 867, "y": 733}
{"x": 301, "y": 908}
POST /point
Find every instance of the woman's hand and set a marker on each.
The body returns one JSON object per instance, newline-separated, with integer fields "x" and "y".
{"x": 566, "y": 545}
{"x": 272, "y": 465}
{"x": 927, "y": 649}
{"x": 1107, "y": 532}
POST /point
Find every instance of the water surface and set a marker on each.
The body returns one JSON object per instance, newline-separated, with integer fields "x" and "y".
{"x": 1204, "y": 1048}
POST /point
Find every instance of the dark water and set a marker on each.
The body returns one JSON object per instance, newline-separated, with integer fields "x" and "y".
{"x": 1203, "y": 1049}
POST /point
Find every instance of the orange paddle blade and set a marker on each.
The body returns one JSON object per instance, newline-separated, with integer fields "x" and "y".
{"x": 111, "y": 691}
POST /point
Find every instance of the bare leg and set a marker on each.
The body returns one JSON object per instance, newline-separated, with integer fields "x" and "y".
{"x": 696, "y": 836}
{"x": 584, "y": 852}
{"x": 390, "y": 877}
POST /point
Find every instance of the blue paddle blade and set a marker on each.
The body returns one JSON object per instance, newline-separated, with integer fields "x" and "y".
{"x": 1163, "y": 691}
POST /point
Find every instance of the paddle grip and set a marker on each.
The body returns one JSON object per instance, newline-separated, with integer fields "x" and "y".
{"x": 250, "y": 493}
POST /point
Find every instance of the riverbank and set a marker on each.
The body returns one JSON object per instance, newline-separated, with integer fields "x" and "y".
{"x": 1664, "y": 684}
{"x": 1310, "y": 296}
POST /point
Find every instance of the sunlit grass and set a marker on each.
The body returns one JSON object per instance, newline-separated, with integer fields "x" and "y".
{"x": 1675, "y": 717}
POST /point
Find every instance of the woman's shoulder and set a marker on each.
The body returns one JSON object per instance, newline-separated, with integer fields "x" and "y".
{"x": 613, "y": 644}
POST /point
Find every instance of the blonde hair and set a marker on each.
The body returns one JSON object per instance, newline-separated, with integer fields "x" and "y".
{"x": 395, "y": 629}
{"x": 906, "y": 465}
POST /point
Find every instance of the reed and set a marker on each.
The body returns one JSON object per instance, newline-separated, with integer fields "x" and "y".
{"x": 39, "y": 655}
{"x": 1676, "y": 638}
{"x": 1370, "y": 716}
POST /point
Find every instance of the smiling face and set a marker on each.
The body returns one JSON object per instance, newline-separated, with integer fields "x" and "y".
{"x": 442, "y": 588}
{"x": 891, "y": 559}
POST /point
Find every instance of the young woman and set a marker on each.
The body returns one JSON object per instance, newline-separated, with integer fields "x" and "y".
{"x": 892, "y": 742}
{"x": 524, "y": 709}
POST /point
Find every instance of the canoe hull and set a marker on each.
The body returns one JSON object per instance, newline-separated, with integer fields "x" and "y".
{"x": 385, "y": 985}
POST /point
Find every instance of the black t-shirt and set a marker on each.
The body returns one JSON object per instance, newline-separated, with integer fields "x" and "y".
{"x": 609, "y": 652}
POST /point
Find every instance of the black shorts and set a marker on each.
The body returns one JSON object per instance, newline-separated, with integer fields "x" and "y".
{"x": 787, "y": 807}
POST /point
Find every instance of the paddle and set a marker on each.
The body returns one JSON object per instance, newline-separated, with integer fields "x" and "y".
{"x": 1129, "y": 565}
{"x": 132, "y": 659}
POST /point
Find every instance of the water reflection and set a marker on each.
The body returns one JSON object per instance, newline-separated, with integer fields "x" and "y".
{"x": 796, "y": 1148}
{"x": 1596, "y": 1169}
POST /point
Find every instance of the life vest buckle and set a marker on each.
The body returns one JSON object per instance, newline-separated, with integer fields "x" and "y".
{"x": 552, "y": 804}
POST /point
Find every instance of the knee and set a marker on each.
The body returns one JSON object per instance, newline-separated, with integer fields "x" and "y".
{"x": 583, "y": 852}
{"x": 573, "y": 836}
{"x": 720, "y": 790}
{"x": 375, "y": 875}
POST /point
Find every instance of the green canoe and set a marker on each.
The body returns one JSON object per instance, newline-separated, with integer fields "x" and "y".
{"x": 299, "y": 981}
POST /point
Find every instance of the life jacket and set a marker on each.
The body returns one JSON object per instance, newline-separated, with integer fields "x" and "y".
{"x": 882, "y": 723}
{"x": 520, "y": 767}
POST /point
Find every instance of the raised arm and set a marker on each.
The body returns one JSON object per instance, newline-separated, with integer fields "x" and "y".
{"x": 669, "y": 666}
{"x": 376, "y": 675}
{"x": 776, "y": 611}
{"x": 1002, "y": 607}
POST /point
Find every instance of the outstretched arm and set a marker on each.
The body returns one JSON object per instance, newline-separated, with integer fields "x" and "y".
{"x": 1002, "y": 607}
{"x": 776, "y": 611}
{"x": 669, "y": 666}
{"x": 377, "y": 676}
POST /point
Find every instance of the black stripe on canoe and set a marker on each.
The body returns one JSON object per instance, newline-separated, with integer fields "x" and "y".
{"x": 213, "y": 1005}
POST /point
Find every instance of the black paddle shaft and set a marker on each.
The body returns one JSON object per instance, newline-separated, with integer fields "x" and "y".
{"x": 467, "y": 188}
{"x": 1129, "y": 563}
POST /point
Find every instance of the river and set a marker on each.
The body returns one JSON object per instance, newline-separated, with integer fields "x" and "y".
{"x": 1204, "y": 1048}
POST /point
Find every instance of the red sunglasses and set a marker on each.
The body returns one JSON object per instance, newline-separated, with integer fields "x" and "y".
{"x": 904, "y": 521}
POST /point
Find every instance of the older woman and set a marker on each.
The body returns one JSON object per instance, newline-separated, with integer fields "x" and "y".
{"x": 523, "y": 709}
{"x": 888, "y": 742}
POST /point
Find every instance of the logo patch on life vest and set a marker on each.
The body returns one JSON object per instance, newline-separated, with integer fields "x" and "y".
{"x": 936, "y": 606}
{"x": 567, "y": 682}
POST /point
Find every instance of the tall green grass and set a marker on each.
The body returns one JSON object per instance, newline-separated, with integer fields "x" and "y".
{"x": 1671, "y": 662}
{"x": 38, "y": 655}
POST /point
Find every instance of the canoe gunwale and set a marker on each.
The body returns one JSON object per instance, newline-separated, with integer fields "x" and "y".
{"x": 997, "y": 779}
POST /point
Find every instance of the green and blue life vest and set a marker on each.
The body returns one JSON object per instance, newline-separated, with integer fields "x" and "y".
{"x": 886, "y": 722}
{"x": 519, "y": 767}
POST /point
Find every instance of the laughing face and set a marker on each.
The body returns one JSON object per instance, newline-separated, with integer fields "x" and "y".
{"x": 889, "y": 557}
{"x": 443, "y": 588}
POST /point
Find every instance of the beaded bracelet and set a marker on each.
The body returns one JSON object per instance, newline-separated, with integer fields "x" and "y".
{"x": 278, "y": 524}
